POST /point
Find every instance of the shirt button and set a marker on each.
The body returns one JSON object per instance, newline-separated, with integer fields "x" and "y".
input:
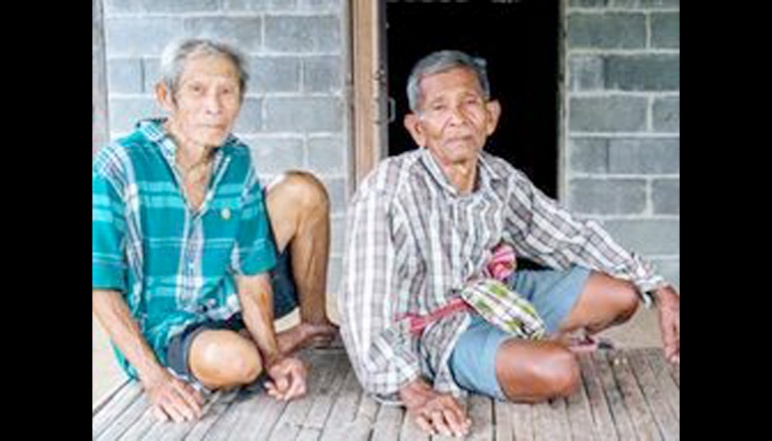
{"x": 225, "y": 213}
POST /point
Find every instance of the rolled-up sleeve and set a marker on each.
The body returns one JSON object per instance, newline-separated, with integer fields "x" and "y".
{"x": 255, "y": 251}
{"x": 378, "y": 345}
{"x": 108, "y": 230}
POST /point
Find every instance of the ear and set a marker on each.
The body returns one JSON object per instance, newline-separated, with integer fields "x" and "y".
{"x": 494, "y": 111}
{"x": 413, "y": 125}
{"x": 164, "y": 97}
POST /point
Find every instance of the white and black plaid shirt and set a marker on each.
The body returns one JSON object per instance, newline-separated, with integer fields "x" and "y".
{"x": 413, "y": 240}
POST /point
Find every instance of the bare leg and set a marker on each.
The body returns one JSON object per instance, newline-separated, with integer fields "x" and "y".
{"x": 604, "y": 302}
{"x": 299, "y": 210}
{"x": 224, "y": 359}
{"x": 532, "y": 371}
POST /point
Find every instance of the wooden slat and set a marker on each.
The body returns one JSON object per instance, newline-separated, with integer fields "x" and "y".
{"x": 464, "y": 403}
{"x": 325, "y": 398}
{"x": 666, "y": 420}
{"x": 110, "y": 410}
{"x": 665, "y": 381}
{"x": 340, "y": 424}
{"x": 550, "y": 422}
{"x": 623, "y": 423}
{"x": 216, "y": 408}
{"x": 142, "y": 426}
{"x": 481, "y": 413}
{"x": 388, "y": 423}
{"x": 502, "y": 419}
{"x": 238, "y": 413}
{"x": 522, "y": 421}
{"x": 601, "y": 412}
{"x": 126, "y": 419}
{"x": 580, "y": 415}
{"x": 656, "y": 355}
{"x": 643, "y": 421}
{"x": 411, "y": 431}
{"x": 291, "y": 422}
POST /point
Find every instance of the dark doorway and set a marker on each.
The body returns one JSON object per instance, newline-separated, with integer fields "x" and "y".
{"x": 519, "y": 40}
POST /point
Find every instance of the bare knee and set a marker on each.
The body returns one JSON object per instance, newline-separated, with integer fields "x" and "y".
{"x": 627, "y": 301}
{"x": 549, "y": 371}
{"x": 302, "y": 188}
{"x": 221, "y": 359}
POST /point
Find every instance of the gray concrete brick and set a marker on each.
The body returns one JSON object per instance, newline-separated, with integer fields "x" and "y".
{"x": 244, "y": 5}
{"x": 612, "y": 30}
{"x": 666, "y": 30}
{"x": 275, "y": 155}
{"x": 155, "y": 6}
{"x": 282, "y": 5}
{"x": 337, "y": 234}
{"x": 589, "y": 155}
{"x": 666, "y": 114}
{"x": 336, "y": 189}
{"x": 322, "y": 74}
{"x": 274, "y": 74}
{"x": 151, "y": 74}
{"x": 304, "y": 114}
{"x": 655, "y": 155}
{"x": 325, "y": 155}
{"x": 124, "y": 75}
{"x": 129, "y": 37}
{"x": 645, "y": 3}
{"x": 126, "y": 112}
{"x": 643, "y": 72}
{"x": 320, "y": 5}
{"x": 122, "y": 6}
{"x": 242, "y": 32}
{"x": 607, "y": 114}
{"x": 302, "y": 34}
{"x": 586, "y": 72}
{"x": 670, "y": 269}
{"x": 649, "y": 236}
{"x": 588, "y": 3}
{"x": 250, "y": 117}
{"x": 666, "y": 196}
{"x": 612, "y": 196}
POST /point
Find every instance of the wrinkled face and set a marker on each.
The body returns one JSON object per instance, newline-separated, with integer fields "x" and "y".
{"x": 205, "y": 105}
{"x": 454, "y": 119}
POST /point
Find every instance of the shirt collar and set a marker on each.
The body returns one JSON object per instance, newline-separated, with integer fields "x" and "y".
{"x": 485, "y": 172}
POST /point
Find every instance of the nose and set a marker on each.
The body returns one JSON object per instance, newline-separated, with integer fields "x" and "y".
{"x": 456, "y": 115}
{"x": 212, "y": 104}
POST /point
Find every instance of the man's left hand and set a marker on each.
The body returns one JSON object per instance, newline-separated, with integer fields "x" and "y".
{"x": 669, "y": 306}
{"x": 288, "y": 377}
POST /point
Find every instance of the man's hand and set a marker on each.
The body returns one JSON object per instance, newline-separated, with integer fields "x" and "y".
{"x": 289, "y": 378}
{"x": 669, "y": 307}
{"x": 173, "y": 398}
{"x": 434, "y": 412}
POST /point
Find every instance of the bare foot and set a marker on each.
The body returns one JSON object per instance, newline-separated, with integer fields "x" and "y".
{"x": 306, "y": 334}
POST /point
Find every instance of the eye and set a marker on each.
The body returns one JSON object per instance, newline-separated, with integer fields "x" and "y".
{"x": 197, "y": 89}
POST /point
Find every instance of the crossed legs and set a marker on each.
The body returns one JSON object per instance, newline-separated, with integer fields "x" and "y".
{"x": 532, "y": 371}
{"x": 298, "y": 208}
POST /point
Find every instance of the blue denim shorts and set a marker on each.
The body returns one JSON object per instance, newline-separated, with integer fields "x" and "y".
{"x": 552, "y": 292}
{"x": 285, "y": 300}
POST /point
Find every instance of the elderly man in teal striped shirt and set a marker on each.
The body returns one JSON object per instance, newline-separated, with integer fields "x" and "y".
{"x": 186, "y": 277}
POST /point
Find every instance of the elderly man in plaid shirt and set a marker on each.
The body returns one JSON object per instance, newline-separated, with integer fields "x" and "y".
{"x": 186, "y": 278}
{"x": 430, "y": 305}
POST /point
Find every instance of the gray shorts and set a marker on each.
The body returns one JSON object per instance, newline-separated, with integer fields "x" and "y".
{"x": 285, "y": 300}
{"x": 553, "y": 294}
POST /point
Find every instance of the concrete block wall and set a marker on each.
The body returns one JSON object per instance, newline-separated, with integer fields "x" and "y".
{"x": 622, "y": 130}
{"x": 295, "y": 114}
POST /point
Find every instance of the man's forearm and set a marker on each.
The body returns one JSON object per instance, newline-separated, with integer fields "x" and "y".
{"x": 111, "y": 310}
{"x": 256, "y": 298}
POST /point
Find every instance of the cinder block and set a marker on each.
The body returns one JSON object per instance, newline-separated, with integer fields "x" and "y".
{"x": 321, "y": 114}
{"x": 606, "y": 31}
{"x": 653, "y": 155}
{"x": 666, "y": 113}
{"x": 612, "y": 196}
{"x": 302, "y": 34}
{"x": 589, "y": 155}
{"x": 244, "y": 33}
{"x": 647, "y": 236}
{"x": 607, "y": 114}
{"x": 666, "y": 196}
{"x": 643, "y": 72}
{"x": 326, "y": 155}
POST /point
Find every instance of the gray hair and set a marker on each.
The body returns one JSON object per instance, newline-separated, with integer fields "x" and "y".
{"x": 175, "y": 55}
{"x": 442, "y": 61}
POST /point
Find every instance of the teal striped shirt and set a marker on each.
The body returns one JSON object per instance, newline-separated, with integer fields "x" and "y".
{"x": 174, "y": 266}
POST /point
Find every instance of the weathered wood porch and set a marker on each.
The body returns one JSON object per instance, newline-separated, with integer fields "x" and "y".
{"x": 626, "y": 395}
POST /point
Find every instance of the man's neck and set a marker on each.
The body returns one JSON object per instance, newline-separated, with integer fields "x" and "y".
{"x": 463, "y": 175}
{"x": 188, "y": 154}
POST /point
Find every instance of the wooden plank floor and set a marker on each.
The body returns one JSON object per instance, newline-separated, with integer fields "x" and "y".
{"x": 626, "y": 395}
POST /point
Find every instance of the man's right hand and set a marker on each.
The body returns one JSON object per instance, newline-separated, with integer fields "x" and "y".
{"x": 172, "y": 398}
{"x": 434, "y": 412}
